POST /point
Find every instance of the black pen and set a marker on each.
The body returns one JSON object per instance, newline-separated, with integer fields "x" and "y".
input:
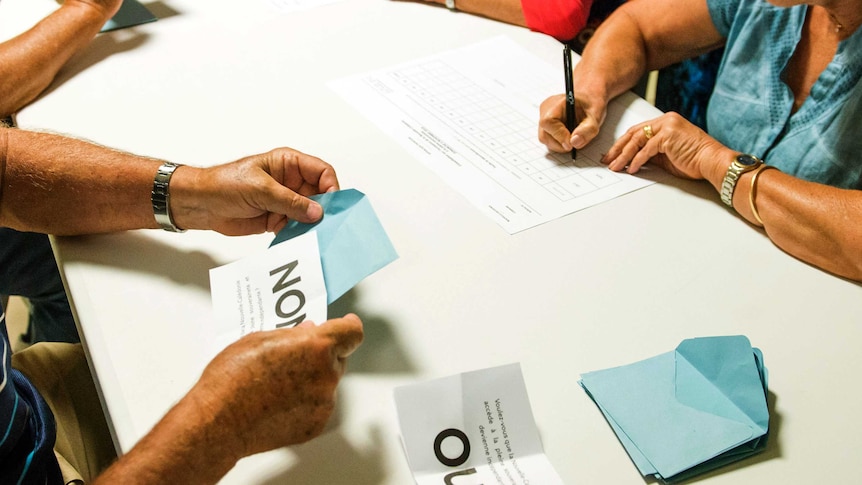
{"x": 571, "y": 122}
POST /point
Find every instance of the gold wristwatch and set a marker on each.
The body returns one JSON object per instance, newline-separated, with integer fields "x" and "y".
{"x": 741, "y": 164}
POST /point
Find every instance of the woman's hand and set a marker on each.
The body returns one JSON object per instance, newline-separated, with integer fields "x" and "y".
{"x": 676, "y": 145}
{"x": 590, "y": 110}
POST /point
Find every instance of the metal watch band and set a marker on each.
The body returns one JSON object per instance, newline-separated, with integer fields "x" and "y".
{"x": 450, "y": 4}
{"x": 161, "y": 197}
{"x": 741, "y": 164}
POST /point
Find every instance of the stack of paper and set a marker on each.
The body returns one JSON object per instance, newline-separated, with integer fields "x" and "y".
{"x": 688, "y": 411}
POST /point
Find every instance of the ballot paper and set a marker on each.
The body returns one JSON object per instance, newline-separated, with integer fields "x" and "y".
{"x": 473, "y": 428}
{"x": 470, "y": 115}
{"x": 131, "y": 13}
{"x": 352, "y": 242}
{"x": 688, "y": 411}
{"x": 280, "y": 286}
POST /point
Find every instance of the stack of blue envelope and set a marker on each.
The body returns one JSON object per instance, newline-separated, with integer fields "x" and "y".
{"x": 688, "y": 411}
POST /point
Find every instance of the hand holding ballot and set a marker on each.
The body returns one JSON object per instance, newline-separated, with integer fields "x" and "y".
{"x": 265, "y": 391}
{"x": 292, "y": 374}
{"x": 307, "y": 267}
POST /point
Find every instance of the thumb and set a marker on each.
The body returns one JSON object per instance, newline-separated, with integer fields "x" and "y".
{"x": 586, "y": 130}
{"x": 281, "y": 200}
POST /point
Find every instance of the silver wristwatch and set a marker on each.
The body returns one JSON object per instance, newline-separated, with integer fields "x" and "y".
{"x": 161, "y": 197}
{"x": 741, "y": 164}
{"x": 450, "y": 4}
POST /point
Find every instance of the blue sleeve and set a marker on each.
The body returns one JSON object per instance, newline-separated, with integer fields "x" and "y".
{"x": 27, "y": 428}
{"x": 723, "y": 12}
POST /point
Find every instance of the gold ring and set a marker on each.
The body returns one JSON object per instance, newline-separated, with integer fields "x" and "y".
{"x": 648, "y": 131}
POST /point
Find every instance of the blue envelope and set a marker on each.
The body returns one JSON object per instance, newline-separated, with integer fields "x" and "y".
{"x": 351, "y": 239}
{"x": 131, "y": 13}
{"x": 685, "y": 412}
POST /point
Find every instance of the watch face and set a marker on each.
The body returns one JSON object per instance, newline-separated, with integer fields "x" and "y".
{"x": 747, "y": 160}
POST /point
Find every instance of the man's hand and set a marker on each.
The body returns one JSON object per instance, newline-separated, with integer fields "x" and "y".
{"x": 277, "y": 388}
{"x": 253, "y": 195}
{"x": 267, "y": 390}
{"x": 107, "y": 8}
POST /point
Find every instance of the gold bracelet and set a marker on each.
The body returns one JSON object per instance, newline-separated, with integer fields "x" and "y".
{"x": 753, "y": 192}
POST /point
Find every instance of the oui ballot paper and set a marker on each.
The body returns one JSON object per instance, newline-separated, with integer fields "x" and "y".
{"x": 473, "y": 428}
{"x": 281, "y": 286}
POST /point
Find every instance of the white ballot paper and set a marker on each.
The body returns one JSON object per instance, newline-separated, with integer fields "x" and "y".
{"x": 474, "y": 428}
{"x": 281, "y": 286}
{"x": 471, "y": 115}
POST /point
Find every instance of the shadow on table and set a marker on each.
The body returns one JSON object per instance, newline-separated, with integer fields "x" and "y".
{"x": 331, "y": 459}
{"x": 380, "y": 352}
{"x": 697, "y": 188}
{"x": 150, "y": 256}
{"x": 108, "y": 44}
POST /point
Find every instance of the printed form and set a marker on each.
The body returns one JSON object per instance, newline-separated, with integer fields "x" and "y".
{"x": 471, "y": 115}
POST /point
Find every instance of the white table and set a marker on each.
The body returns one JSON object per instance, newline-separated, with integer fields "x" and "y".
{"x": 625, "y": 280}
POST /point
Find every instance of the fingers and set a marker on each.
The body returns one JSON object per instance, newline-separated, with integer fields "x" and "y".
{"x": 552, "y": 128}
{"x": 295, "y": 176}
{"x": 584, "y": 133}
{"x": 626, "y": 147}
{"x": 347, "y": 333}
{"x": 633, "y": 149}
{"x": 552, "y": 124}
{"x": 306, "y": 174}
{"x": 283, "y": 204}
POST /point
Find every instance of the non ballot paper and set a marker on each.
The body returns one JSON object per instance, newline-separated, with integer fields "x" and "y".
{"x": 688, "y": 411}
{"x": 473, "y": 428}
{"x": 352, "y": 241}
{"x": 280, "y": 286}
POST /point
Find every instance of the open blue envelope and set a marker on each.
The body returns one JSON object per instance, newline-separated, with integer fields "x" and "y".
{"x": 352, "y": 241}
{"x": 685, "y": 412}
{"x": 131, "y": 13}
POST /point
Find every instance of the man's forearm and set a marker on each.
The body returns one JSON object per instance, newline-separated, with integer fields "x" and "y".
{"x": 189, "y": 445}
{"x": 30, "y": 61}
{"x": 60, "y": 185}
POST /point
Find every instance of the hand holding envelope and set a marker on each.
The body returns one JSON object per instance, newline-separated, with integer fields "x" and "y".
{"x": 685, "y": 412}
{"x": 307, "y": 267}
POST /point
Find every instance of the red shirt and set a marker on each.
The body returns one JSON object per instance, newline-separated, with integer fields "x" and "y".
{"x": 561, "y": 19}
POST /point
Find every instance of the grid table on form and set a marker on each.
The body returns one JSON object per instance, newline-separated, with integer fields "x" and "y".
{"x": 471, "y": 115}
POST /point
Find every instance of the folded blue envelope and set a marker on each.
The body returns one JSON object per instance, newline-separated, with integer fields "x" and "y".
{"x": 351, "y": 239}
{"x": 131, "y": 13}
{"x": 685, "y": 412}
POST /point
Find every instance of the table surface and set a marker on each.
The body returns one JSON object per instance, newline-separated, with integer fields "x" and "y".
{"x": 625, "y": 280}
